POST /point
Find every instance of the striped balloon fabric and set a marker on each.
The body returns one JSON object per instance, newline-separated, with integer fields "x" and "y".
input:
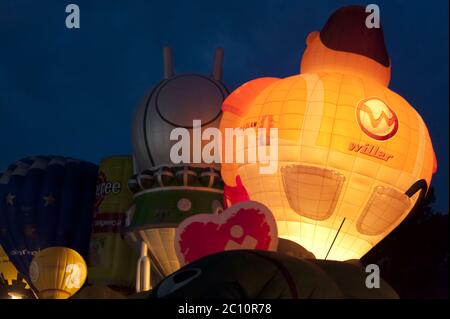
{"x": 46, "y": 201}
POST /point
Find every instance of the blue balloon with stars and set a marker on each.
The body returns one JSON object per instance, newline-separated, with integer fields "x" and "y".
{"x": 46, "y": 201}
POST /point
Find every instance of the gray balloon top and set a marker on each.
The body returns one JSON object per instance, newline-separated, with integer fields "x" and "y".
{"x": 176, "y": 102}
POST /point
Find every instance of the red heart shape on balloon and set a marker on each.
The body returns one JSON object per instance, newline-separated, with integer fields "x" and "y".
{"x": 247, "y": 225}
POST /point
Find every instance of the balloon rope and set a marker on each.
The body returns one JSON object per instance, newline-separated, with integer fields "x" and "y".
{"x": 335, "y": 238}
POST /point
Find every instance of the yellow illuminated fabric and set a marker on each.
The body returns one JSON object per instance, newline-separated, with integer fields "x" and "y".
{"x": 111, "y": 261}
{"x": 7, "y": 268}
{"x": 163, "y": 248}
{"x": 313, "y": 191}
{"x": 58, "y": 272}
{"x": 348, "y": 150}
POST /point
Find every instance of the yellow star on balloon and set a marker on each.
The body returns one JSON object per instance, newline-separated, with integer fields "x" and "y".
{"x": 49, "y": 200}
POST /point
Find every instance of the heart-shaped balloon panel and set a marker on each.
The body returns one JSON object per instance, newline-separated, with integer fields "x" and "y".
{"x": 247, "y": 225}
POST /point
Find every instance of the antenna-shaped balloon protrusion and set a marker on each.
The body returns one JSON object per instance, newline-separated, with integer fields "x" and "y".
{"x": 218, "y": 60}
{"x": 135, "y": 166}
{"x": 168, "y": 66}
{"x": 143, "y": 270}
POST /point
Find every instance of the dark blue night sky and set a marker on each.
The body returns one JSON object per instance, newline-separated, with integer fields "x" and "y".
{"x": 73, "y": 92}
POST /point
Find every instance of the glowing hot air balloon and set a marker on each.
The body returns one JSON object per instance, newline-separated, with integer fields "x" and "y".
{"x": 45, "y": 201}
{"x": 12, "y": 284}
{"x": 166, "y": 191}
{"x": 112, "y": 262}
{"x": 57, "y": 272}
{"x": 354, "y": 158}
{"x": 159, "y": 209}
{"x": 7, "y": 270}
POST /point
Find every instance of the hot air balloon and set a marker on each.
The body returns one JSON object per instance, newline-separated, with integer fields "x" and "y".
{"x": 159, "y": 210}
{"x": 12, "y": 283}
{"x": 247, "y": 225}
{"x": 57, "y": 272}
{"x": 354, "y": 158}
{"x": 112, "y": 262}
{"x": 166, "y": 191}
{"x": 45, "y": 201}
{"x": 175, "y": 102}
{"x": 256, "y": 274}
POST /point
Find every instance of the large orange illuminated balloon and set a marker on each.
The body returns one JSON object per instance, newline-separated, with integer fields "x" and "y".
{"x": 353, "y": 156}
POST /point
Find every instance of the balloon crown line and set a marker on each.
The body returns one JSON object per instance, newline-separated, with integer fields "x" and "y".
{"x": 176, "y": 176}
{"x": 21, "y": 167}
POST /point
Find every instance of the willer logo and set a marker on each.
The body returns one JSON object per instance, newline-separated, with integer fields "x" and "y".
{"x": 376, "y": 119}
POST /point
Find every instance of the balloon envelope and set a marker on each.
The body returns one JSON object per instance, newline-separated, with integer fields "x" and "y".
{"x": 353, "y": 158}
{"x": 58, "y": 272}
{"x": 257, "y": 274}
{"x": 7, "y": 270}
{"x": 112, "y": 261}
{"x": 160, "y": 209}
{"x": 247, "y": 225}
{"x": 45, "y": 201}
{"x": 12, "y": 284}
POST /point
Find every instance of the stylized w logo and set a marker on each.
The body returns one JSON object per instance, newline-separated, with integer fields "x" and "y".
{"x": 376, "y": 119}
{"x": 390, "y": 120}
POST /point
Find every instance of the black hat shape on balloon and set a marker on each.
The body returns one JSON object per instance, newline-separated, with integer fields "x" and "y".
{"x": 346, "y": 30}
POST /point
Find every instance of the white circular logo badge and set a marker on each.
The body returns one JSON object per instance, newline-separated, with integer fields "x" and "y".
{"x": 376, "y": 119}
{"x": 34, "y": 271}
